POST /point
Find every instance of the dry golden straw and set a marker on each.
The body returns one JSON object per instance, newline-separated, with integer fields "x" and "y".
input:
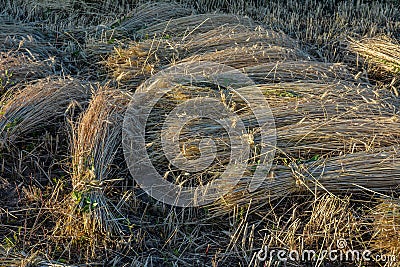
{"x": 314, "y": 149}
{"x": 311, "y": 137}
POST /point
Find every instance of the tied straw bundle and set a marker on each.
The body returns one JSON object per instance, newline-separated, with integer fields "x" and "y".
{"x": 95, "y": 144}
{"x": 299, "y": 70}
{"x": 201, "y": 23}
{"x": 25, "y": 38}
{"x": 366, "y": 171}
{"x": 16, "y": 67}
{"x": 309, "y": 120}
{"x": 382, "y": 52}
{"x": 150, "y": 14}
{"x": 141, "y": 59}
{"x": 37, "y": 106}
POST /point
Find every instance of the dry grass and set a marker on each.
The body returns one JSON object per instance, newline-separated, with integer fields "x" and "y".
{"x": 237, "y": 45}
{"x": 318, "y": 223}
{"x": 331, "y": 219}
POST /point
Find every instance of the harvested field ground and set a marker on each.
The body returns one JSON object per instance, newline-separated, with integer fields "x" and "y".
{"x": 74, "y": 75}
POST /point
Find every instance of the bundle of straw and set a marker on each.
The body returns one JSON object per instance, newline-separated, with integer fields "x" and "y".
{"x": 310, "y": 117}
{"x": 96, "y": 141}
{"x": 308, "y": 114}
{"x": 37, "y": 106}
{"x": 228, "y": 43}
{"x": 373, "y": 171}
{"x": 382, "y": 52}
{"x": 240, "y": 57}
{"x": 231, "y": 36}
{"x": 149, "y": 14}
{"x": 316, "y": 125}
{"x": 311, "y": 138}
{"x": 297, "y": 107}
{"x": 16, "y": 67}
{"x": 25, "y": 38}
{"x": 291, "y": 71}
{"x": 194, "y": 24}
